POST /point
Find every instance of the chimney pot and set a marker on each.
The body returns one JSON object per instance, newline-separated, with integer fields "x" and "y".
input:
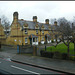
{"x": 47, "y": 21}
{"x": 15, "y": 15}
{"x": 55, "y": 23}
{"x": 34, "y": 18}
{"x": 0, "y": 21}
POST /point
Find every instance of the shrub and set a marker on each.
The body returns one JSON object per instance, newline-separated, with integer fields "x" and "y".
{"x": 52, "y": 41}
{"x": 50, "y": 54}
{"x": 41, "y": 52}
{"x": 57, "y": 55}
{"x": 65, "y": 56}
{"x": 72, "y": 58}
{"x": 46, "y": 54}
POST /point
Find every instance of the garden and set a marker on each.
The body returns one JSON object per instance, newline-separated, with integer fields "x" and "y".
{"x": 60, "y": 51}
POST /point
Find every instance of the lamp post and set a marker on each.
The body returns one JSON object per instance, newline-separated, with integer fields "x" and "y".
{"x": 45, "y": 41}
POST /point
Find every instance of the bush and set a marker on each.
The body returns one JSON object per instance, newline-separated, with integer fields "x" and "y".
{"x": 57, "y": 55}
{"x": 46, "y": 54}
{"x": 41, "y": 52}
{"x": 65, "y": 56}
{"x": 72, "y": 58}
{"x": 50, "y": 54}
{"x": 52, "y": 41}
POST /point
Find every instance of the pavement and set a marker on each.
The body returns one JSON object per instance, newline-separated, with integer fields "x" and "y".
{"x": 66, "y": 66}
{"x": 54, "y": 64}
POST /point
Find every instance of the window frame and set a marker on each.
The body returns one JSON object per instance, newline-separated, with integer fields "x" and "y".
{"x": 36, "y": 31}
{"x": 42, "y": 38}
{"x": 26, "y": 31}
{"x": 26, "y": 40}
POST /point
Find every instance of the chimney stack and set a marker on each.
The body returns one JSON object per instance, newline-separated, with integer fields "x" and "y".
{"x": 34, "y": 18}
{"x": 55, "y": 23}
{"x": 15, "y": 16}
{"x": 72, "y": 25}
{"x": 47, "y": 21}
{"x": 0, "y": 21}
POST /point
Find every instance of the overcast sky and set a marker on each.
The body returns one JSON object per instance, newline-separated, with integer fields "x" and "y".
{"x": 42, "y": 9}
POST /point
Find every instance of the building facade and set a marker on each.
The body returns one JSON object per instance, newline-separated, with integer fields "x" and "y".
{"x": 2, "y": 34}
{"x": 23, "y": 32}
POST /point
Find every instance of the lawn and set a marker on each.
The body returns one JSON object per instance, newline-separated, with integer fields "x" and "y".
{"x": 62, "y": 48}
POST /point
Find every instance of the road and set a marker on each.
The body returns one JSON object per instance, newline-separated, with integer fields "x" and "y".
{"x": 10, "y": 67}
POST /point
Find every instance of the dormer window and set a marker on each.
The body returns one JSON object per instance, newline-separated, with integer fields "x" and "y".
{"x": 25, "y": 25}
{"x": 36, "y": 26}
{"x": 25, "y": 31}
{"x": 36, "y": 31}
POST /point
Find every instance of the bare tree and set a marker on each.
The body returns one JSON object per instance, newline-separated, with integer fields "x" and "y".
{"x": 52, "y": 20}
{"x": 66, "y": 32}
{"x": 5, "y": 22}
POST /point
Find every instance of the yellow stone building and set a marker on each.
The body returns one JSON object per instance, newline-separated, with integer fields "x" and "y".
{"x": 2, "y": 34}
{"x": 23, "y": 32}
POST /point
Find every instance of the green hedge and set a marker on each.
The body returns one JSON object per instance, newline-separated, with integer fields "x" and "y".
{"x": 62, "y": 48}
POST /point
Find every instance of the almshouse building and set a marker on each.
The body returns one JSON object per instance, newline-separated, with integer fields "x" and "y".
{"x": 23, "y": 32}
{"x": 2, "y": 34}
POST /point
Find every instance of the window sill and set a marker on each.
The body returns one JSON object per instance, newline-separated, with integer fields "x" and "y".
{"x": 26, "y": 33}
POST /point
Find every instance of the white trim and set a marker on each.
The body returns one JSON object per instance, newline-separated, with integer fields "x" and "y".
{"x": 26, "y": 40}
{"x": 25, "y": 31}
{"x": 50, "y": 41}
{"x": 42, "y": 42}
{"x": 15, "y": 40}
{"x": 36, "y": 41}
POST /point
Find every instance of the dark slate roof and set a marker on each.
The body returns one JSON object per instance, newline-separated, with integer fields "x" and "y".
{"x": 32, "y": 24}
{"x": 33, "y": 36}
{"x": 53, "y": 27}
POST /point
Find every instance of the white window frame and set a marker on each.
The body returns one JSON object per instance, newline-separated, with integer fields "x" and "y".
{"x": 26, "y": 40}
{"x": 36, "y": 31}
{"x": 15, "y": 40}
{"x": 25, "y": 31}
{"x": 42, "y": 38}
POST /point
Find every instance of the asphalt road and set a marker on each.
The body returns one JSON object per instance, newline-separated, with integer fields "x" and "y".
{"x": 10, "y": 67}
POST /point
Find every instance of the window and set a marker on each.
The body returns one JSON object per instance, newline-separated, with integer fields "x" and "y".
{"x": 42, "y": 38}
{"x": 15, "y": 40}
{"x": 33, "y": 39}
{"x": 37, "y": 40}
{"x": 42, "y": 31}
{"x": 36, "y": 31}
{"x": 25, "y": 31}
{"x": 25, "y": 40}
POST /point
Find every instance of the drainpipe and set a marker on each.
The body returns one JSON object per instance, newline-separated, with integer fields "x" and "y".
{"x": 22, "y": 36}
{"x": 40, "y": 36}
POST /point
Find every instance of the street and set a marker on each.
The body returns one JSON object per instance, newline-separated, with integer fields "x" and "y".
{"x": 17, "y": 68}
